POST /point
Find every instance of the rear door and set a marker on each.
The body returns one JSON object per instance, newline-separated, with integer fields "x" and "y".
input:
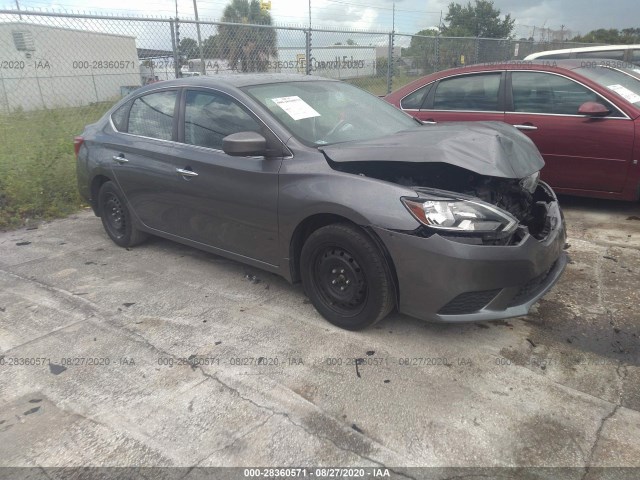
{"x": 580, "y": 152}
{"x": 141, "y": 155}
{"x": 466, "y": 97}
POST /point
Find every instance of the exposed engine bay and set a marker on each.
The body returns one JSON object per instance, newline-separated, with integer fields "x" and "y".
{"x": 526, "y": 201}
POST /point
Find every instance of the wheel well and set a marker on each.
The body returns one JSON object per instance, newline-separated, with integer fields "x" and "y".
{"x": 313, "y": 223}
{"x": 96, "y": 183}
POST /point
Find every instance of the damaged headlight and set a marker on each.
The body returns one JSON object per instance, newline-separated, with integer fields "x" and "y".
{"x": 460, "y": 215}
{"x": 530, "y": 183}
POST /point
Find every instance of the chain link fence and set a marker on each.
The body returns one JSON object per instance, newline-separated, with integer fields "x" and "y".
{"x": 60, "y": 71}
{"x": 51, "y": 60}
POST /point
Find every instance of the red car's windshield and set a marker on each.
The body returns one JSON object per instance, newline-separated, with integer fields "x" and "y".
{"x": 625, "y": 83}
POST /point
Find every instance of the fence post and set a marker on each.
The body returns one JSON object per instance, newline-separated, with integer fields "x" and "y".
{"x": 4, "y": 92}
{"x": 307, "y": 52}
{"x": 390, "y": 63}
{"x": 477, "y": 50}
{"x": 174, "y": 47}
{"x": 437, "y": 53}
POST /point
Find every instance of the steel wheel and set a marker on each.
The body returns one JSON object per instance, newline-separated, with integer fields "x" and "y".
{"x": 345, "y": 275}
{"x": 340, "y": 280}
{"x": 116, "y": 217}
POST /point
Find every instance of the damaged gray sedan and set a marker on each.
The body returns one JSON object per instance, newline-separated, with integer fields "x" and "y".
{"x": 323, "y": 183}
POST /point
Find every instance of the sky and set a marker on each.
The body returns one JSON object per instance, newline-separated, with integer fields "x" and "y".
{"x": 577, "y": 16}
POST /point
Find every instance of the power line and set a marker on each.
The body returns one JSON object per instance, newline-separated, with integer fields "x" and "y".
{"x": 342, "y": 2}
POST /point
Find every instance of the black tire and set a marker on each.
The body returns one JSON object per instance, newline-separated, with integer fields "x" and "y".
{"x": 346, "y": 276}
{"x": 116, "y": 217}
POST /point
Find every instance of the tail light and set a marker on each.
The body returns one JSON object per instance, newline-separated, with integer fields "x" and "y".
{"x": 77, "y": 143}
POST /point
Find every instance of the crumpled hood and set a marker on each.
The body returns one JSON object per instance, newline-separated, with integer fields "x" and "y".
{"x": 487, "y": 148}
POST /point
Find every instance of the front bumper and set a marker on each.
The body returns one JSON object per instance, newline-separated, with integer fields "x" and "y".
{"x": 446, "y": 281}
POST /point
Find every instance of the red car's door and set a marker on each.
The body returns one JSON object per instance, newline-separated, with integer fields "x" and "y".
{"x": 580, "y": 152}
{"x": 466, "y": 97}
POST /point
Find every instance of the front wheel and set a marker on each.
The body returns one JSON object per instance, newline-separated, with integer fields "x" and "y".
{"x": 116, "y": 217}
{"x": 346, "y": 277}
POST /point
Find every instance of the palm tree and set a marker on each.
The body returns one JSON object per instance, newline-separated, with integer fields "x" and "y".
{"x": 246, "y": 48}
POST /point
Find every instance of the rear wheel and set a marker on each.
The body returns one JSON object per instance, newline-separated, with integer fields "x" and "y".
{"x": 346, "y": 277}
{"x": 116, "y": 217}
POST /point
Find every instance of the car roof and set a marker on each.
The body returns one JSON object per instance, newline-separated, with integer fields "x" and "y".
{"x": 551, "y": 64}
{"x": 239, "y": 80}
{"x": 597, "y": 48}
{"x": 568, "y": 64}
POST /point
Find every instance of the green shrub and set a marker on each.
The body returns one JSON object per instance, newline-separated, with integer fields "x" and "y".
{"x": 37, "y": 163}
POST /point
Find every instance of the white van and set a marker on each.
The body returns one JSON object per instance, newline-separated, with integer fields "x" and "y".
{"x": 625, "y": 53}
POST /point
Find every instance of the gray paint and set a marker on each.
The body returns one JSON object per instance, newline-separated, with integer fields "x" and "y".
{"x": 248, "y": 209}
{"x": 488, "y": 148}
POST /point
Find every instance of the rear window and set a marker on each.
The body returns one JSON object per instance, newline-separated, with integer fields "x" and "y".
{"x": 555, "y": 56}
{"x": 119, "y": 117}
{"x": 612, "y": 54}
{"x": 414, "y": 100}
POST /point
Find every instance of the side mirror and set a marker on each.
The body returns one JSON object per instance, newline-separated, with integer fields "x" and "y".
{"x": 593, "y": 109}
{"x": 245, "y": 144}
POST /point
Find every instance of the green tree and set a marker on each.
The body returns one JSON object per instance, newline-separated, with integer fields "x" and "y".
{"x": 611, "y": 36}
{"x": 211, "y": 47}
{"x": 479, "y": 20}
{"x": 188, "y": 48}
{"x": 351, "y": 41}
{"x": 245, "y": 47}
{"x": 421, "y": 49}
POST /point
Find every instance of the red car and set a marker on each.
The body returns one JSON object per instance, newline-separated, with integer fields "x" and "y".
{"x": 584, "y": 116}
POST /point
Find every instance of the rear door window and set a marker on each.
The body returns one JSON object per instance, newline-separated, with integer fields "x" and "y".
{"x": 477, "y": 92}
{"x": 152, "y": 115}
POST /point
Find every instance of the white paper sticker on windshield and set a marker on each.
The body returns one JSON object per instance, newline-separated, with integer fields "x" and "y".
{"x": 295, "y": 107}
{"x": 625, "y": 93}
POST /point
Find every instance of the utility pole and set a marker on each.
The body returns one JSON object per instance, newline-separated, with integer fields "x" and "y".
{"x": 195, "y": 9}
{"x": 20, "y": 15}
{"x": 393, "y": 18}
{"x": 309, "y": 14}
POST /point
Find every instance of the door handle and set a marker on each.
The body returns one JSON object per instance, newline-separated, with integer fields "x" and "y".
{"x": 120, "y": 159}
{"x": 526, "y": 127}
{"x": 186, "y": 173}
{"x": 430, "y": 121}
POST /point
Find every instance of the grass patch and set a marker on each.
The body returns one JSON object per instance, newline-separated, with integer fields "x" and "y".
{"x": 37, "y": 163}
{"x": 38, "y": 166}
{"x": 378, "y": 85}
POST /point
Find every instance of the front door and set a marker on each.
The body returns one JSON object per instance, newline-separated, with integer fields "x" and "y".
{"x": 580, "y": 152}
{"x": 223, "y": 201}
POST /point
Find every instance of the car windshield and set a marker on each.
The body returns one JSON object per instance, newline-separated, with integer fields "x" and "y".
{"x": 326, "y": 112}
{"x": 624, "y": 82}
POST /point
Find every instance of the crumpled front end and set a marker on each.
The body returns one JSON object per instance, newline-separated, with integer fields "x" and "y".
{"x": 448, "y": 277}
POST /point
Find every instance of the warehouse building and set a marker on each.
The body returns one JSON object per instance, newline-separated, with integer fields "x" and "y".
{"x": 50, "y": 67}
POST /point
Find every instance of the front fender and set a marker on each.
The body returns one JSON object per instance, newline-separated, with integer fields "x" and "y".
{"x": 362, "y": 200}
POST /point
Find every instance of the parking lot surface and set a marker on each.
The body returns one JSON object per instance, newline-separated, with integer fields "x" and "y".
{"x": 162, "y": 355}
